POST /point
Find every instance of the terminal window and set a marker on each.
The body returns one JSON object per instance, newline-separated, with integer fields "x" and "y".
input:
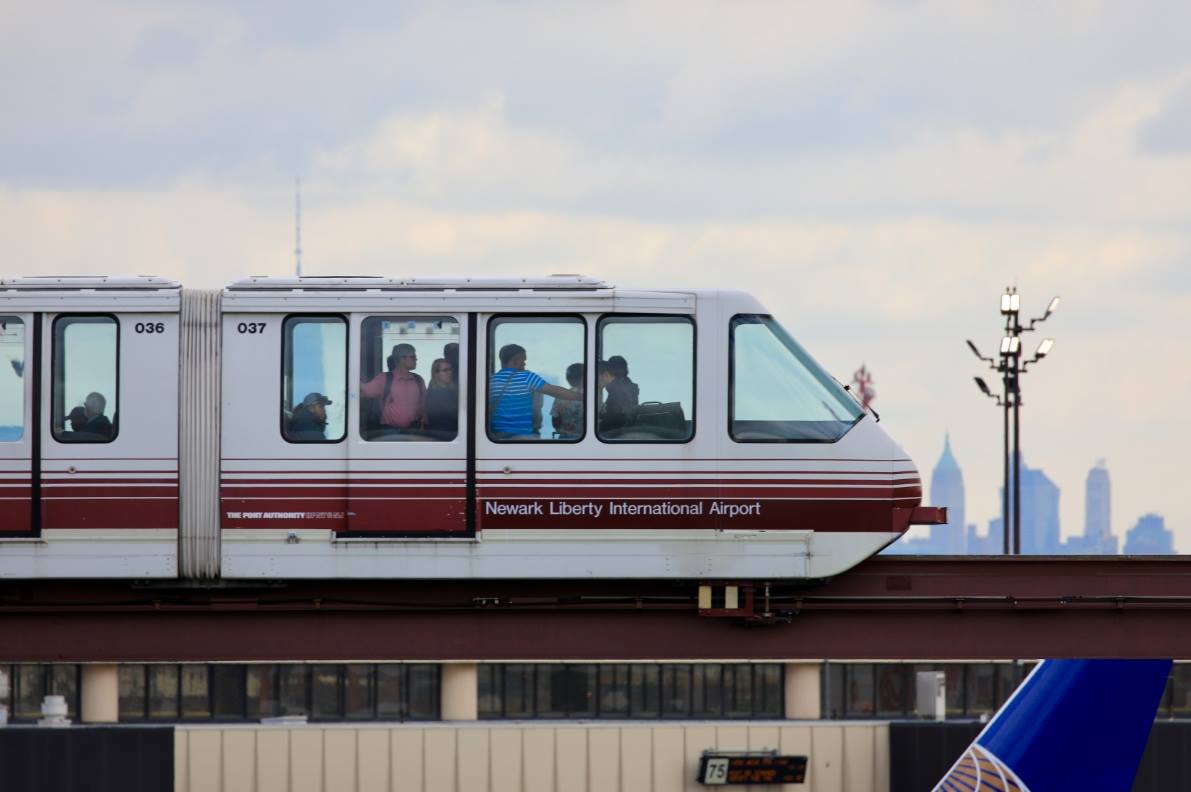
{"x": 630, "y": 690}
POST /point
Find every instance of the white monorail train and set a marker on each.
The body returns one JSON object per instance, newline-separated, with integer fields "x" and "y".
{"x": 363, "y": 427}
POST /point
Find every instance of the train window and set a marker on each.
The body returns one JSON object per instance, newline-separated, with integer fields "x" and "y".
{"x": 86, "y": 380}
{"x": 409, "y": 378}
{"x": 646, "y": 377}
{"x": 778, "y": 393}
{"x": 536, "y": 376}
{"x": 314, "y": 379}
{"x": 12, "y": 379}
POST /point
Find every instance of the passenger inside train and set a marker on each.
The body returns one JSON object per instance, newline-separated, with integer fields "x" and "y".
{"x": 513, "y": 413}
{"x": 441, "y": 407}
{"x": 658, "y": 405}
{"x": 621, "y": 394}
{"x": 567, "y": 416}
{"x": 84, "y": 362}
{"x": 397, "y": 405}
{"x": 309, "y": 420}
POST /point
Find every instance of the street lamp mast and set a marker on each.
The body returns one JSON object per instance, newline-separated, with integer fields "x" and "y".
{"x": 1011, "y": 366}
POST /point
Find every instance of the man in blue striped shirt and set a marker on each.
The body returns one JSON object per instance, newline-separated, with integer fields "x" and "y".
{"x": 510, "y": 395}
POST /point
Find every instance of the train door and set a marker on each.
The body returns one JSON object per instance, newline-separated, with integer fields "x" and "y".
{"x": 17, "y": 440}
{"x": 410, "y": 450}
{"x": 285, "y": 417}
{"x": 109, "y": 449}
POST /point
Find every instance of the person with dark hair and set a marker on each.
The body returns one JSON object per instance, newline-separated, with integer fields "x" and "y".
{"x": 77, "y": 419}
{"x": 621, "y": 394}
{"x": 567, "y": 416}
{"x": 400, "y": 390}
{"x": 309, "y": 421}
{"x": 511, "y": 395}
{"x": 442, "y": 399}
{"x": 97, "y": 423}
{"x": 451, "y": 353}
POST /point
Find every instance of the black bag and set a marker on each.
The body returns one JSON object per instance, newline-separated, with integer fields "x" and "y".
{"x": 666, "y": 416}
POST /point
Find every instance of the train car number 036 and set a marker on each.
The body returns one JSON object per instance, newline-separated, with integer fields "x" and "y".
{"x": 152, "y": 328}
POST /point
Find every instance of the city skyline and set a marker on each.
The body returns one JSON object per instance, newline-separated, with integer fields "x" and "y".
{"x": 1041, "y": 525}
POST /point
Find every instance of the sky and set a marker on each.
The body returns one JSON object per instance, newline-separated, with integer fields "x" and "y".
{"x": 877, "y": 173}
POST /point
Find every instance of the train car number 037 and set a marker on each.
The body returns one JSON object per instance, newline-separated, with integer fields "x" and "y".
{"x": 250, "y": 328}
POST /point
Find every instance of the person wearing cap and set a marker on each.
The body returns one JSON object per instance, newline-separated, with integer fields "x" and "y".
{"x": 309, "y": 421}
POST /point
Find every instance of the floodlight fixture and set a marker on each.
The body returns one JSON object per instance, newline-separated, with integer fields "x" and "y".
{"x": 1044, "y": 348}
{"x": 1010, "y": 345}
{"x": 983, "y": 386}
{"x": 1010, "y": 302}
{"x": 1054, "y": 303}
{"x": 976, "y": 352}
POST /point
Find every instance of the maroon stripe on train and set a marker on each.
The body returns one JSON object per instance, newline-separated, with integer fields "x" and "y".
{"x": 591, "y": 482}
{"x": 16, "y": 515}
{"x": 409, "y": 515}
{"x": 103, "y": 491}
{"x": 343, "y": 492}
{"x": 749, "y": 514}
{"x": 902, "y": 496}
{"x": 126, "y": 512}
{"x": 96, "y": 482}
{"x": 413, "y": 515}
{"x": 677, "y": 493}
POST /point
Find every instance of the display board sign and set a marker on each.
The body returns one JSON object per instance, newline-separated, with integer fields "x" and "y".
{"x": 717, "y": 769}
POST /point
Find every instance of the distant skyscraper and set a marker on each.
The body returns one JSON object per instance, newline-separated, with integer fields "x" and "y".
{"x": 947, "y": 489}
{"x": 1097, "y": 536}
{"x": 1098, "y": 503}
{"x": 1039, "y": 513}
{"x": 1149, "y": 537}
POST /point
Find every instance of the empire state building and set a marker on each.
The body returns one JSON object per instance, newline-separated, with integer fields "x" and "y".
{"x": 947, "y": 489}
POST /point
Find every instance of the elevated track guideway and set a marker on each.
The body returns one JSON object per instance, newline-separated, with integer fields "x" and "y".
{"x": 903, "y": 607}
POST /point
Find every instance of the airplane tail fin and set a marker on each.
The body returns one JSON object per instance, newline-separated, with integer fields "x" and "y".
{"x": 1073, "y": 724}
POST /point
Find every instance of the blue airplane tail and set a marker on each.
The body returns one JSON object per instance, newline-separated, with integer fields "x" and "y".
{"x": 1072, "y": 725}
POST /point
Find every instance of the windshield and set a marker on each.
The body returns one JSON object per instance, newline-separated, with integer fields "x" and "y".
{"x": 778, "y": 393}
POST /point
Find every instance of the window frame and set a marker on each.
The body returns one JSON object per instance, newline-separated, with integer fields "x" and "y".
{"x": 57, "y": 339}
{"x": 287, "y": 346}
{"x": 490, "y": 355}
{"x": 460, "y": 320}
{"x": 733, "y": 322}
{"x": 25, "y": 383}
{"x": 599, "y": 353}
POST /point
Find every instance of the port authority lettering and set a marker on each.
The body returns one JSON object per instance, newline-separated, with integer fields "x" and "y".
{"x": 592, "y": 509}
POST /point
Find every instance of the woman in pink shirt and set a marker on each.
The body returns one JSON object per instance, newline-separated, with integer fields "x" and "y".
{"x": 402, "y": 393}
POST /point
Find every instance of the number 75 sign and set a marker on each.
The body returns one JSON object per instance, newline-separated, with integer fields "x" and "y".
{"x": 763, "y": 767}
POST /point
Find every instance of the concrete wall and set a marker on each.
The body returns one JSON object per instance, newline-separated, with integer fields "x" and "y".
{"x": 514, "y": 756}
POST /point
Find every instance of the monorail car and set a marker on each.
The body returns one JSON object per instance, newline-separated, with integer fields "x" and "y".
{"x": 362, "y": 427}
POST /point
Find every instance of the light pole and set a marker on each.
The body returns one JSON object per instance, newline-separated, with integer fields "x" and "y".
{"x": 1011, "y": 366}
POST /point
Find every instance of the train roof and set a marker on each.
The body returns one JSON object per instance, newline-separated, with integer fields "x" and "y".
{"x": 88, "y": 283}
{"x": 552, "y": 293}
{"x": 381, "y": 283}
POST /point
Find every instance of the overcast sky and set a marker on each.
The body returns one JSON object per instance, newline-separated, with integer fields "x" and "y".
{"x": 876, "y": 173}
